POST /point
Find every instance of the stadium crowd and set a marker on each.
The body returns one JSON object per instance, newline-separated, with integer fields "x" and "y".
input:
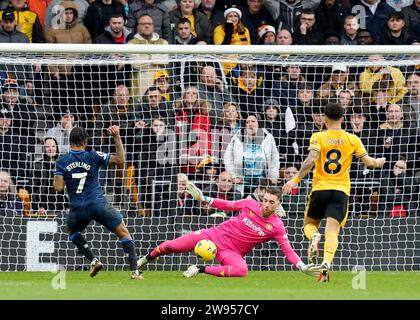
{"x": 234, "y": 128}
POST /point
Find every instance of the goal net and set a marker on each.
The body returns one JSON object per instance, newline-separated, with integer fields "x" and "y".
{"x": 232, "y": 121}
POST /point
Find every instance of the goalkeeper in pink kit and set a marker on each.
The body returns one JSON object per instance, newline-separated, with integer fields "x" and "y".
{"x": 257, "y": 223}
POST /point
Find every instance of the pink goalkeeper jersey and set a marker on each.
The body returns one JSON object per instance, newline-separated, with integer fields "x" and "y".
{"x": 249, "y": 228}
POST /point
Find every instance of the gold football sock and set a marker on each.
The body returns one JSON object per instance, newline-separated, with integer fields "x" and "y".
{"x": 330, "y": 247}
{"x": 309, "y": 230}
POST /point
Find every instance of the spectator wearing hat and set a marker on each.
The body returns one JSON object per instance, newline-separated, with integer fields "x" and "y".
{"x": 45, "y": 200}
{"x": 16, "y": 149}
{"x": 266, "y": 35}
{"x": 55, "y": 8}
{"x": 351, "y": 26}
{"x": 208, "y": 7}
{"x": 330, "y": 15}
{"x": 412, "y": 15}
{"x": 61, "y": 132}
{"x": 338, "y": 80}
{"x": 162, "y": 82}
{"x": 23, "y": 72}
{"x": 306, "y": 31}
{"x": 284, "y": 37}
{"x": 232, "y": 31}
{"x": 70, "y": 31}
{"x": 98, "y": 14}
{"x": 395, "y": 32}
{"x": 157, "y": 10}
{"x": 254, "y": 14}
{"x": 200, "y": 24}
{"x": 375, "y": 17}
{"x": 27, "y": 20}
{"x": 23, "y": 110}
{"x": 8, "y": 32}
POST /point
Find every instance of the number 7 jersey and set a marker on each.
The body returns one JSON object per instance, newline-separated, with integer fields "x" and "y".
{"x": 80, "y": 170}
{"x": 336, "y": 149}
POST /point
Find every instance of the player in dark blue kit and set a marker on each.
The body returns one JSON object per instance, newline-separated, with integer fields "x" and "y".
{"x": 78, "y": 171}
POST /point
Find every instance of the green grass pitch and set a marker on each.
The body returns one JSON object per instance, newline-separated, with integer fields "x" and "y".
{"x": 157, "y": 285}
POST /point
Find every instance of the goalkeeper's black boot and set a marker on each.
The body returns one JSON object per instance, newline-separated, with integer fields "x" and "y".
{"x": 95, "y": 267}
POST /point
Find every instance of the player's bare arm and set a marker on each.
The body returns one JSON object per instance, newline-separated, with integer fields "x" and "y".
{"x": 372, "y": 162}
{"x": 119, "y": 157}
{"x": 307, "y": 166}
{"x": 58, "y": 183}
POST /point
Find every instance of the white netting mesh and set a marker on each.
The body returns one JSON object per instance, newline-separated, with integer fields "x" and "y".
{"x": 178, "y": 114}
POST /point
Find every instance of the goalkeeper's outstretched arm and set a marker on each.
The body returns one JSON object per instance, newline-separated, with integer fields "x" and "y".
{"x": 293, "y": 258}
{"x": 197, "y": 194}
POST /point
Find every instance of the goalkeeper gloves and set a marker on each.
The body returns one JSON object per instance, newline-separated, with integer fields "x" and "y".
{"x": 196, "y": 193}
{"x": 308, "y": 269}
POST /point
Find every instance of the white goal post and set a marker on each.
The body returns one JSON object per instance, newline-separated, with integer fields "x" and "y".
{"x": 183, "y": 114}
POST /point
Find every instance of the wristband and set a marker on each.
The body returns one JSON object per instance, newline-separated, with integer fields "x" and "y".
{"x": 300, "y": 265}
{"x": 296, "y": 179}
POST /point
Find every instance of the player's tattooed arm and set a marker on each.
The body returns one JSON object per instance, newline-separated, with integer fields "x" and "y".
{"x": 308, "y": 164}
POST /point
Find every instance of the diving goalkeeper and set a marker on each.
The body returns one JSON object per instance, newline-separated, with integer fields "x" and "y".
{"x": 257, "y": 223}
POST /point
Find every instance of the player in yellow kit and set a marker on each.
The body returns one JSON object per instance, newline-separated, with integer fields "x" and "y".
{"x": 331, "y": 152}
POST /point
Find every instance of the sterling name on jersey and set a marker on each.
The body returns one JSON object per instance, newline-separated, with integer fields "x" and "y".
{"x": 336, "y": 148}
{"x": 80, "y": 170}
